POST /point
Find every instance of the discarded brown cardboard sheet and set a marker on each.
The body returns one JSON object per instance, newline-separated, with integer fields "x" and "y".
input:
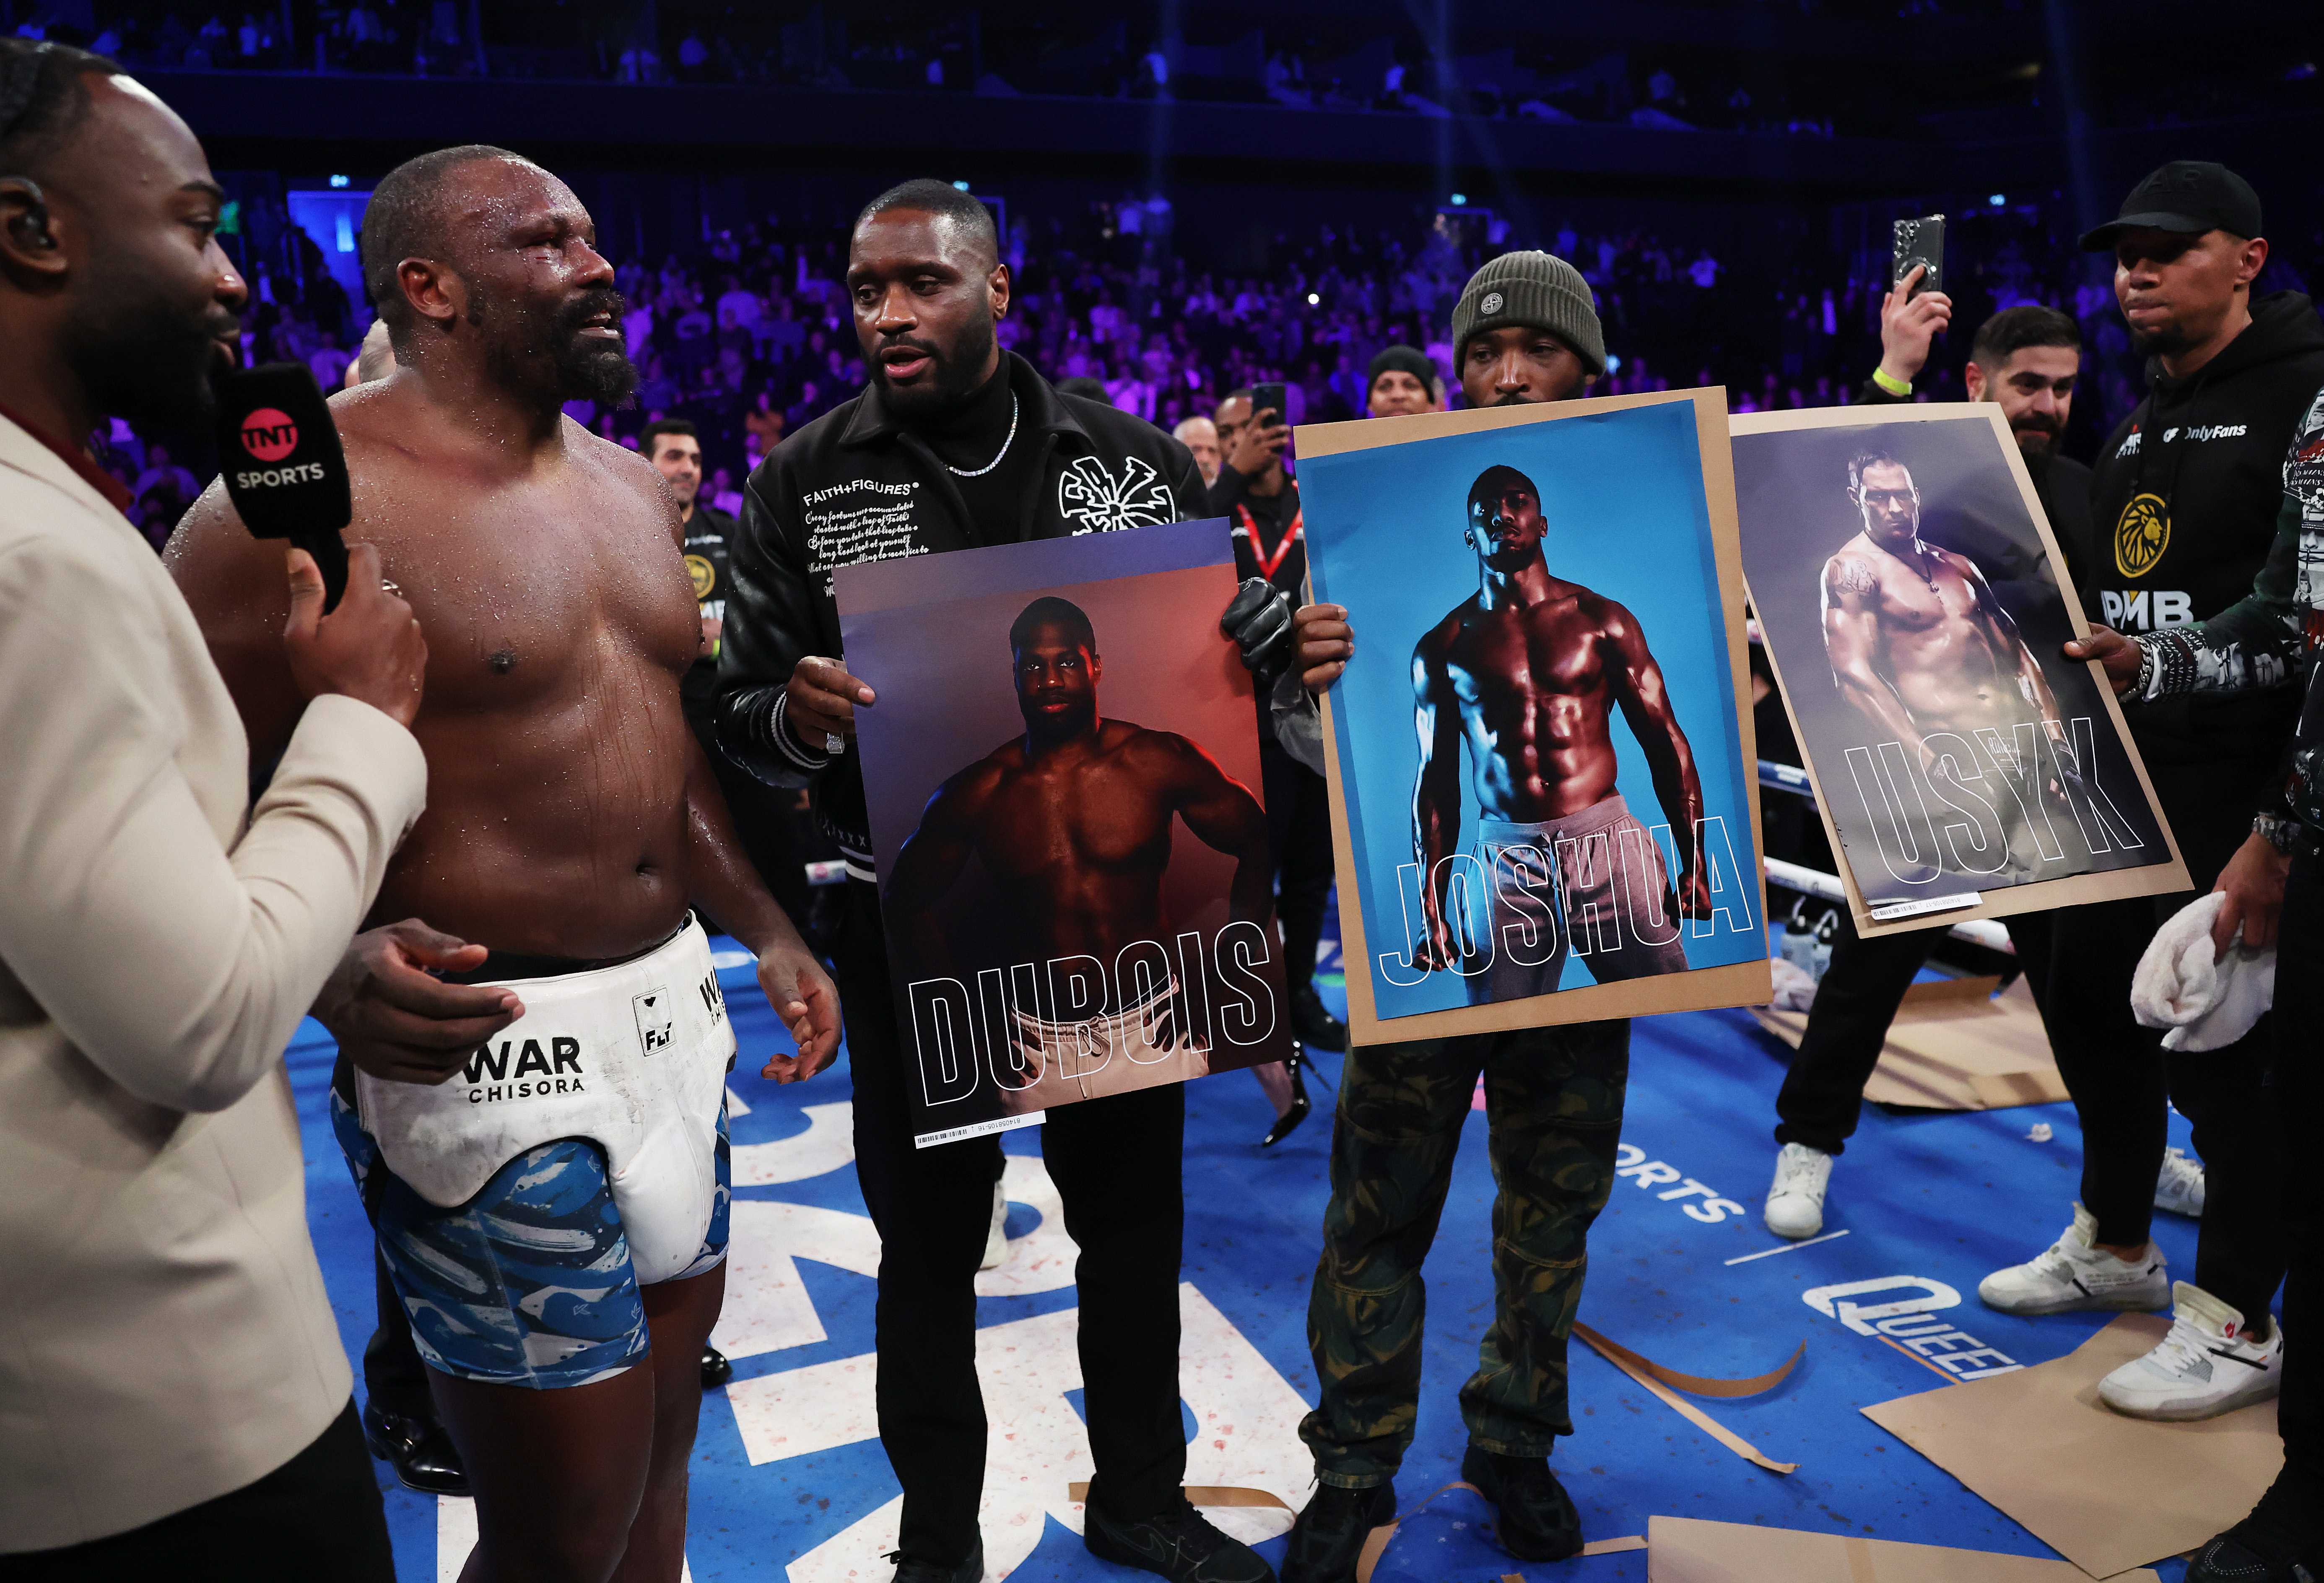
{"x": 2107, "y": 1493}
{"x": 1955, "y": 1045}
{"x": 1684, "y": 1550}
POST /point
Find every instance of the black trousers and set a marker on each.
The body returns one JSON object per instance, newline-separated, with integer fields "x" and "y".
{"x": 1116, "y": 1165}
{"x": 1822, "y": 1096}
{"x": 2120, "y": 1077}
{"x": 316, "y": 1518}
{"x": 1299, "y": 835}
{"x": 2297, "y": 1092}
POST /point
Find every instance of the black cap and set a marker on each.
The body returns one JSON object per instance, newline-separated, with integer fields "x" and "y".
{"x": 2189, "y": 196}
{"x": 1404, "y": 360}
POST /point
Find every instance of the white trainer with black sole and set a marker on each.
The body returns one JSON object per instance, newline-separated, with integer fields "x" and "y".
{"x": 2178, "y": 1189}
{"x": 2205, "y": 1366}
{"x": 1795, "y": 1199}
{"x": 2077, "y": 1273}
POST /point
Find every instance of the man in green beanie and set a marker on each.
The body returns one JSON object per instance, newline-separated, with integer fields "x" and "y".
{"x": 1526, "y": 330}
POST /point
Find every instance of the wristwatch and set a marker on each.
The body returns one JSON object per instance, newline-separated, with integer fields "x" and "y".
{"x": 2277, "y": 831}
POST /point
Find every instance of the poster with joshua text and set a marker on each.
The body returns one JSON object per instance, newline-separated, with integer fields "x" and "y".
{"x": 1541, "y": 750}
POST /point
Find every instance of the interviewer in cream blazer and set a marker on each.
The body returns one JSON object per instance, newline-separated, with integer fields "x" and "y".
{"x": 174, "y": 1397}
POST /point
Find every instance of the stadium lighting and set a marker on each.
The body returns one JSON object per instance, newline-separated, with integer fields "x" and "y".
{"x": 1459, "y": 200}
{"x": 338, "y": 181}
{"x": 1313, "y": 299}
{"x": 962, "y": 185}
{"x": 1998, "y": 200}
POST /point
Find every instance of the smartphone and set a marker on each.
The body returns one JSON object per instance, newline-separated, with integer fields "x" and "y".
{"x": 1922, "y": 242}
{"x": 1266, "y": 397}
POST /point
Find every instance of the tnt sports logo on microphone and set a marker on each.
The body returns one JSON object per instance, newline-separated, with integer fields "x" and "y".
{"x": 269, "y": 434}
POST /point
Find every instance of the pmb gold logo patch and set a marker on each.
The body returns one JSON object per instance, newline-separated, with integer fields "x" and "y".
{"x": 2141, "y": 535}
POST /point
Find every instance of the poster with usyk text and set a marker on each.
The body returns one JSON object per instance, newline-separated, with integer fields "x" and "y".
{"x": 1063, "y": 775}
{"x": 1915, "y": 609}
{"x": 1540, "y": 753}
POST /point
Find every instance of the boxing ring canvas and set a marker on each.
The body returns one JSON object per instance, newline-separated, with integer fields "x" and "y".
{"x": 1913, "y": 603}
{"x": 1063, "y": 779}
{"x": 1540, "y": 754}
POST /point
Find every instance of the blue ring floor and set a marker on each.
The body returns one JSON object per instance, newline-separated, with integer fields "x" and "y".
{"x": 1948, "y": 1197}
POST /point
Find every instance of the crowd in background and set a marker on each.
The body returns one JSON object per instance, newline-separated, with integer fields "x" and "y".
{"x": 1384, "y": 60}
{"x": 751, "y": 338}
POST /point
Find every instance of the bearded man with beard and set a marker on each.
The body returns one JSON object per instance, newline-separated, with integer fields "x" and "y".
{"x": 553, "y": 1220}
{"x": 956, "y": 444}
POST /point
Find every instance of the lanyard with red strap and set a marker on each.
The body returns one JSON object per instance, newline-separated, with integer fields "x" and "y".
{"x": 1268, "y": 564}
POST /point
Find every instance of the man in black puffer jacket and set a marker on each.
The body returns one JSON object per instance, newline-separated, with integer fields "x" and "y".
{"x": 2183, "y": 513}
{"x": 957, "y": 444}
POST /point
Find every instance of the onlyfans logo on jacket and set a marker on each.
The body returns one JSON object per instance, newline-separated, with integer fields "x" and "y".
{"x": 1096, "y": 501}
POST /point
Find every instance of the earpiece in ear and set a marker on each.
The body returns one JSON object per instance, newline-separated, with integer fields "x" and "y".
{"x": 31, "y": 227}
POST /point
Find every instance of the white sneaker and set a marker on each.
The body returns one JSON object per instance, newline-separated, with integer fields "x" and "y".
{"x": 2077, "y": 1275}
{"x": 2205, "y": 1367}
{"x": 1795, "y": 1199}
{"x": 2179, "y": 1188}
{"x": 996, "y": 1240}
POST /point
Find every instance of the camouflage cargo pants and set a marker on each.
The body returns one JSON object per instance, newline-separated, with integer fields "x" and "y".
{"x": 1554, "y": 1112}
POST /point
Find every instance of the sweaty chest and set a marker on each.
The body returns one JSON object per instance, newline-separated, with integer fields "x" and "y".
{"x": 539, "y": 600}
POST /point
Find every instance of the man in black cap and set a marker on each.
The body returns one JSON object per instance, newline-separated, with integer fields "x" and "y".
{"x": 1527, "y": 330}
{"x": 2184, "y": 509}
{"x": 1403, "y": 380}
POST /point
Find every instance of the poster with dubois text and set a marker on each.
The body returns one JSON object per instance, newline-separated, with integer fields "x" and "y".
{"x": 1063, "y": 779}
{"x": 1915, "y": 612}
{"x": 1540, "y": 751}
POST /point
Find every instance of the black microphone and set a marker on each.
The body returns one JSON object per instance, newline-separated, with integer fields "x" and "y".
{"x": 284, "y": 470}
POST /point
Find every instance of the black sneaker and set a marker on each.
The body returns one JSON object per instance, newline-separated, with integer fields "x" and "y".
{"x": 1178, "y": 1544}
{"x": 910, "y": 1570}
{"x": 1313, "y": 1024}
{"x": 1328, "y": 1536}
{"x": 2279, "y": 1542}
{"x": 717, "y": 1368}
{"x": 1537, "y": 1519}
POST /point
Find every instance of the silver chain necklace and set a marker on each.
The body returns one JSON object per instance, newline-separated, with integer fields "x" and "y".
{"x": 979, "y": 472}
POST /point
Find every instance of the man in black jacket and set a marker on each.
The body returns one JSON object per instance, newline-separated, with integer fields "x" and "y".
{"x": 1260, "y": 501}
{"x": 2028, "y": 360}
{"x": 955, "y": 444}
{"x": 2184, "y": 510}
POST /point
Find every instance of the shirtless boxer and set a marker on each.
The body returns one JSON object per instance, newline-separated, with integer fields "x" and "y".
{"x": 1528, "y": 673}
{"x": 1920, "y": 646}
{"x": 543, "y": 1244}
{"x": 1073, "y": 821}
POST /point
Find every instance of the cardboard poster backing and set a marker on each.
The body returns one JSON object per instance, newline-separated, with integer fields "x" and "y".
{"x": 1688, "y": 1549}
{"x": 2114, "y": 885}
{"x": 1953, "y": 1045}
{"x": 2107, "y": 1492}
{"x": 1700, "y": 989}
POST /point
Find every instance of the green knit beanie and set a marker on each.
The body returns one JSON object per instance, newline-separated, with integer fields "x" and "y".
{"x": 1539, "y": 291}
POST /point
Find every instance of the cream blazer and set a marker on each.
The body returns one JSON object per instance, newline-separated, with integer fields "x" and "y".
{"x": 164, "y": 1338}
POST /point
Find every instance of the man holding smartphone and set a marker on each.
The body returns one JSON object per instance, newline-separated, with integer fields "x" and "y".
{"x": 1260, "y": 501}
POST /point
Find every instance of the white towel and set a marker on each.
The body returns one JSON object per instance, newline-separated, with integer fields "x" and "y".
{"x": 2204, "y": 1002}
